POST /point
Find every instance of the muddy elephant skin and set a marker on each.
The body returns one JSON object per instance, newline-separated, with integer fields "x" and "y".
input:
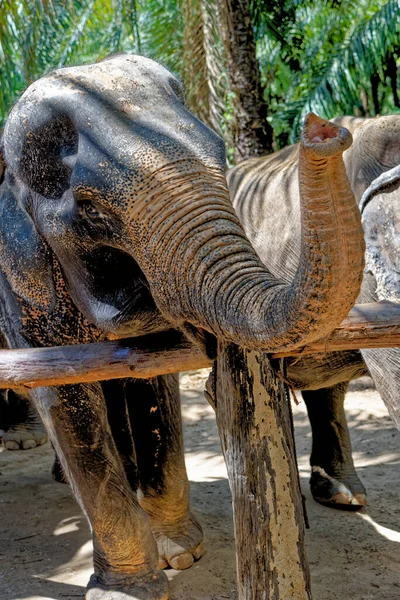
{"x": 265, "y": 195}
{"x": 116, "y": 221}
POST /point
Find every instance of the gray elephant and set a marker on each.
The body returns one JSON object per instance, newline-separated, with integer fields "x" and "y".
{"x": 265, "y": 196}
{"x": 116, "y": 221}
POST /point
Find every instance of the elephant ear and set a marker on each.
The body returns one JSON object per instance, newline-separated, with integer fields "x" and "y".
{"x": 24, "y": 257}
{"x": 38, "y": 137}
{"x": 36, "y": 145}
{"x": 380, "y": 209}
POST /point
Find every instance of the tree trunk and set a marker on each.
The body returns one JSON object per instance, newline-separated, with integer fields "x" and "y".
{"x": 253, "y": 132}
{"x": 391, "y": 72}
{"x": 195, "y": 71}
{"x": 255, "y": 425}
{"x": 375, "y": 80}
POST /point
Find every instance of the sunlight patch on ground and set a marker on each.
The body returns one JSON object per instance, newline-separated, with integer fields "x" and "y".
{"x": 305, "y": 473}
{"x": 389, "y": 534}
{"x": 67, "y": 526}
{"x": 205, "y": 466}
{"x": 361, "y": 460}
{"x": 38, "y": 598}
{"x": 197, "y": 412}
{"x": 172, "y": 573}
{"x": 193, "y": 379}
{"x": 77, "y": 570}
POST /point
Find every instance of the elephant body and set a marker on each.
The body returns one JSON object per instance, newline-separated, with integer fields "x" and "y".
{"x": 116, "y": 221}
{"x": 265, "y": 195}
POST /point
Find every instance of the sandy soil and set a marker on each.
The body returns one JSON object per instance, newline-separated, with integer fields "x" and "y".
{"x": 45, "y": 549}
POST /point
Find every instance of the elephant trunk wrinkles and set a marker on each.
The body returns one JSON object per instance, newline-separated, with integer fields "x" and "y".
{"x": 203, "y": 271}
{"x": 330, "y": 272}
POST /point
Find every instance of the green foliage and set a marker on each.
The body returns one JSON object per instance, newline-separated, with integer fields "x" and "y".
{"x": 329, "y": 56}
{"x": 332, "y": 57}
{"x": 39, "y": 35}
{"x": 161, "y": 32}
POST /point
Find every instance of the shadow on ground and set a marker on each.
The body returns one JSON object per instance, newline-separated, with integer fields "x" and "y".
{"x": 45, "y": 552}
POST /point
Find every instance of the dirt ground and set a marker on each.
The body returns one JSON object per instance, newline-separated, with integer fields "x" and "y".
{"x": 45, "y": 549}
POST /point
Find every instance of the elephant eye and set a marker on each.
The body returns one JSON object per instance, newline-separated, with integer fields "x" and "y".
{"x": 90, "y": 211}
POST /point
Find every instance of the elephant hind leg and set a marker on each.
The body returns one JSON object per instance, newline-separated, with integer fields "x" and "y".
{"x": 334, "y": 481}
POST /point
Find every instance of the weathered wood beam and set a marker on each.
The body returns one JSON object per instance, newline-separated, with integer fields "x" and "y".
{"x": 142, "y": 358}
{"x": 375, "y": 325}
{"x": 255, "y": 428}
{"x": 367, "y": 326}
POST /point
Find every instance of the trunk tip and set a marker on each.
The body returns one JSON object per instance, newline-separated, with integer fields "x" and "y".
{"x": 323, "y": 138}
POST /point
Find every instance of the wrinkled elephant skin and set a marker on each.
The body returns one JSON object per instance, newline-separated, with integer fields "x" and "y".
{"x": 116, "y": 221}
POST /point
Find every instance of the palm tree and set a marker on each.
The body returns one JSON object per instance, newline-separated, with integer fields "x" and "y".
{"x": 39, "y": 35}
{"x": 253, "y": 135}
{"x": 336, "y": 57}
{"x": 333, "y": 57}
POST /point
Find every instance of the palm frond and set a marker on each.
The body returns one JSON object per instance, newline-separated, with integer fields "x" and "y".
{"x": 220, "y": 94}
{"x": 161, "y": 27}
{"x": 194, "y": 65}
{"x": 39, "y": 35}
{"x": 332, "y": 86}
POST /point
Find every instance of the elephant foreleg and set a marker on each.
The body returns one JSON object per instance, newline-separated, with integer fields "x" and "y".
{"x": 155, "y": 415}
{"x": 334, "y": 481}
{"x": 125, "y": 552}
{"x": 118, "y": 419}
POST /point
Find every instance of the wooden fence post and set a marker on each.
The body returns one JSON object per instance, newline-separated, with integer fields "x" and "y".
{"x": 254, "y": 421}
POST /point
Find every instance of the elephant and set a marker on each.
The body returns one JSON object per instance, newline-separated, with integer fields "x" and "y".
{"x": 265, "y": 196}
{"x": 116, "y": 221}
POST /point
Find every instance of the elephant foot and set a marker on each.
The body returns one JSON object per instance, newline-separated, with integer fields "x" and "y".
{"x": 344, "y": 493}
{"x": 179, "y": 544}
{"x": 24, "y": 437}
{"x": 153, "y": 586}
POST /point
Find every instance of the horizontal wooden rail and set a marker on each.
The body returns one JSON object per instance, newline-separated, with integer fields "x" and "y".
{"x": 142, "y": 358}
{"x": 367, "y": 326}
{"x": 375, "y": 325}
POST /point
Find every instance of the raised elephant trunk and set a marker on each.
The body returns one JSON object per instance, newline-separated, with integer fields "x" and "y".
{"x": 204, "y": 273}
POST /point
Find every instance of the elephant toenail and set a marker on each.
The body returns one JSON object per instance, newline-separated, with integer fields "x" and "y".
{"x": 162, "y": 563}
{"x": 11, "y": 445}
{"x": 198, "y": 552}
{"x": 182, "y": 561}
{"x": 361, "y": 499}
{"x": 28, "y": 444}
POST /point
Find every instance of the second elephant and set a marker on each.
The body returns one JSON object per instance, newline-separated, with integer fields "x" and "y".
{"x": 265, "y": 195}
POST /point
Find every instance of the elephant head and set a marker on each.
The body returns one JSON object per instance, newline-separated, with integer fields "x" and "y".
{"x": 375, "y": 149}
{"x": 128, "y": 190}
{"x": 380, "y": 209}
{"x": 373, "y": 166}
